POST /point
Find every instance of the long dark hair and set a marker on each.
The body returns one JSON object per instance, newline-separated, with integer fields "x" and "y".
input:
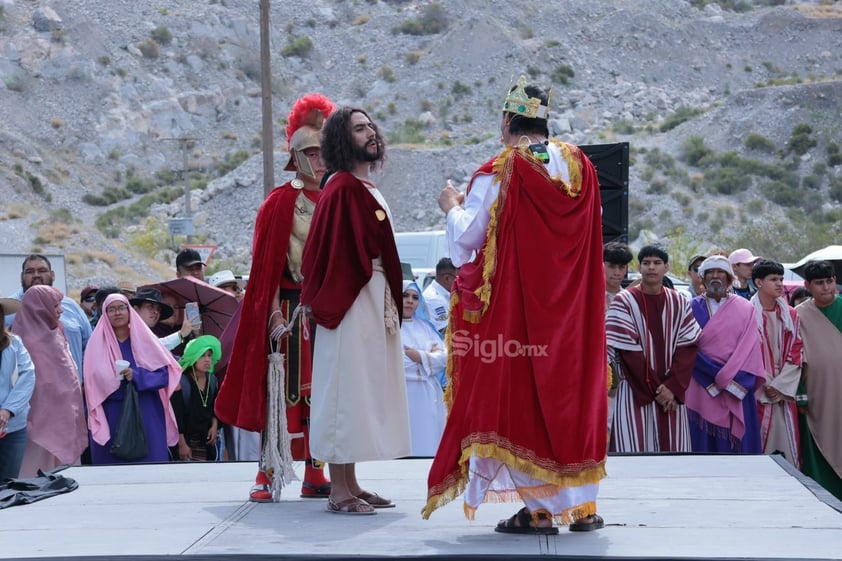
{"x": 337, "y": 144}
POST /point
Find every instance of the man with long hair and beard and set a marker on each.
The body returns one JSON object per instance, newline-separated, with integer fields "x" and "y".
{"x": 353, "y": 289}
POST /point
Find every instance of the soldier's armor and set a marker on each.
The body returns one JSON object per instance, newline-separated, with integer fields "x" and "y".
{"x": 301, "y": 218}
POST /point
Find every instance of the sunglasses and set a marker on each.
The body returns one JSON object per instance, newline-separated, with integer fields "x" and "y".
{"x": 89, "y": 298}
{"x": 695, "y": 268}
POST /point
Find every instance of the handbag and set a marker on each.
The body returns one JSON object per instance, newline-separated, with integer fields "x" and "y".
{"x": 130, "y": 441}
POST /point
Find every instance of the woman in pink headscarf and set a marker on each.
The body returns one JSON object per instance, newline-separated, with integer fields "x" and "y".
{"x": 56, "y": 428}
{"x": 122, "y": 334}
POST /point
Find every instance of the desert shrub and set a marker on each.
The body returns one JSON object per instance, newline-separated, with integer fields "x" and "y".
{"x": 781, "y": 193}
{"x": 432, "y": 20}
{"x": 387, "y": 73}
{"x": 811, "y": 182}
{"x": 835, "y": 191}
{"x": 694, "y": 150}
{"x": 298, "y": 46}
{"x": 161, "y": 35}
{"x": 231, "y": 162}
{"x": 412, "y": 57}
{"x": 834, "y": 157}
{"x": 459, "y": 89}
{"x": 140, "y": 185}
{"x": 800, "y": 141}
{"x": 104, "y": 60}
{"x": 680, "y": 115}
{"x": 623, "y": 126}
{"x": 150, "y": 49}
{"x": 660, "y": 160}
{"x": 562, "y": 74}
{"x": 410, "y": 132}
{"x": 37, "y": 185}
{"x": 725, "y": 180}
{"x": 755, "y": 141}
{"x": 658, "y": 187}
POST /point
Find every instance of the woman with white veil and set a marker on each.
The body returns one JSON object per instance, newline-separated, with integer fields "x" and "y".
{"x": 424, "y": 361}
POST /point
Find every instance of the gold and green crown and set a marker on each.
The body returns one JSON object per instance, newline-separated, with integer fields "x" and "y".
{"x": 519, "y": 102}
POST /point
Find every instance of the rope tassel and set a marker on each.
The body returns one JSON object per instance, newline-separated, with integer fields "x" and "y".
{"x": 277, "y": 452}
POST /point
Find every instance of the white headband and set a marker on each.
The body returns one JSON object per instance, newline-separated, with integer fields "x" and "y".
{"x": 716, "y": 262}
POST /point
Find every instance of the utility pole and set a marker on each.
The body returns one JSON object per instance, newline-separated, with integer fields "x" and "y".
{"x": 266, "y": 95}
{"x": 183, "y": 225}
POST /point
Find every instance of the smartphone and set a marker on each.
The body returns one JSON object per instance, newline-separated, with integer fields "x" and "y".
{"x": 192, "y": 310}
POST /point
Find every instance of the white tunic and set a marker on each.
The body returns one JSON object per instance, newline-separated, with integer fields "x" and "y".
{"x": 423, "y": 389}
{"x": 358, "y": 398}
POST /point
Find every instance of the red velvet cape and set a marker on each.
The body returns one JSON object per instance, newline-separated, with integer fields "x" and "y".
{"x": 349, "y": 229}
{"x": 537, "y": 281}
{"x": 242, "y": 397}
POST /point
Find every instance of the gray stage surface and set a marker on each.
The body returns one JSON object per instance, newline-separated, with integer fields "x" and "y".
{"x": 666, "y": 507}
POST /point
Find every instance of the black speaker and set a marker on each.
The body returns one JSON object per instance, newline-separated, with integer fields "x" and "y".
{"x": 612, "y": 168}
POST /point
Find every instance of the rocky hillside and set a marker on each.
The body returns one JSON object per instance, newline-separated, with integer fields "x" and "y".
{"x": 733, "y": 117}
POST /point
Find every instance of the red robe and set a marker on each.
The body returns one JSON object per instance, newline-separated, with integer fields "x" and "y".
{"x": 349, "y": 229}
{"x": 242, "y": 397}
{"x": 534, "y": 295}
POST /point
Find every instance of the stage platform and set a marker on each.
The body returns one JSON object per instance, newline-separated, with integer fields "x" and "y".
{"x": 655, "y": 507}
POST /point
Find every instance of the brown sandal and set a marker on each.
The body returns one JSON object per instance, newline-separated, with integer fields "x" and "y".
{"x": 352, "y": 506}
{"x": 375, "y": 500}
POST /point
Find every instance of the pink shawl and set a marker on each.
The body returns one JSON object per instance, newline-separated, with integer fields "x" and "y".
{"x": 731, "y": 337}
{"x": 57, "y": 415}
{"x": 101, "y": 380}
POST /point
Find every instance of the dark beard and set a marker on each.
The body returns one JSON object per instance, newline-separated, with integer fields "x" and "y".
{"x": 363, "y": 155}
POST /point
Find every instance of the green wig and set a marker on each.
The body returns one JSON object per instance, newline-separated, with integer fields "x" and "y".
{"x": 199, "y": 346}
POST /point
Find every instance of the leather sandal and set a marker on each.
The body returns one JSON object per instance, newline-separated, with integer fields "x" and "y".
{"x": 596, "y": 523}
{"x": 521, "y": 523}
{"x": 353, "y": 506}
{"x": 375, "y": 500}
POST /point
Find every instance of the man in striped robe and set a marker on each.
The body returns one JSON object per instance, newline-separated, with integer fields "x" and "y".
{"x": 652, "y": 342}
{"x": 780, "y": 339}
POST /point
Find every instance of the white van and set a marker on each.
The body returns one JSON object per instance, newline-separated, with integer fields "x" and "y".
{"x": 422, "y": 250}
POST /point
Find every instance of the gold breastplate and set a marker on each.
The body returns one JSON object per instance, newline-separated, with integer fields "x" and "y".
{"x": 301, "y": 218}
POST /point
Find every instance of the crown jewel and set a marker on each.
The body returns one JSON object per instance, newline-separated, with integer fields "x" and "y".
{"x": 519, "y": 102}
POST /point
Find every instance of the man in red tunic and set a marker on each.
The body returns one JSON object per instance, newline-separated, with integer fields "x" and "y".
{"x": 527, "y": 369}
{"x": 280, "y": 231}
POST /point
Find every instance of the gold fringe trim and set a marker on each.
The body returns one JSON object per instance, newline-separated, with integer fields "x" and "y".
{"x": 572, "y": 156}
{"x": 450, "y": 366}
{"x": 575, "y": 475}
{"x": 503, "y": 168}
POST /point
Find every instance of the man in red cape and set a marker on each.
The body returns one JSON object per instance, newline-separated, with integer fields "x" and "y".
{"x": 353, "y": 288}
{"x": 527, "y": 370}
{"x": 280, "y": 231}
